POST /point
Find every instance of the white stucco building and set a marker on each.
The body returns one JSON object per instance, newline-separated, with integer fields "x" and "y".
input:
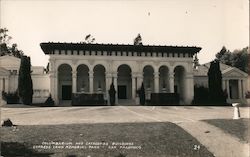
{"x": 79, "y": 67}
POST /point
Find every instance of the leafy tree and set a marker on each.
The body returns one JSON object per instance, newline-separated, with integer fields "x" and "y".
{"x": 89, "y": 39}
{"x": 237, "y": 58}
{"x": 216, "y": 93}
{"x": 5, "y": 49}
{"x": 142, "y": 94}
{"x": 25, "y": 86}
{"x": 138, "y": 40}
{"x": 112, "y": 94}
{"x": 196, "y": 61}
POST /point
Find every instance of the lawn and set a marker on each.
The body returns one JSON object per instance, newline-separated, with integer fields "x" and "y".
{"x": 101, "y": 140}
{"x": 238, "y": 128}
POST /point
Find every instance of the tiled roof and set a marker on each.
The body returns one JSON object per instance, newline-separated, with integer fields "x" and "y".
{"x": 203, "y": 69}
{"x": 48, "y": 47}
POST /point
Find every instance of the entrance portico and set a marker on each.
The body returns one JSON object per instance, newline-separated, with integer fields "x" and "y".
{"x": 91, "y": 68}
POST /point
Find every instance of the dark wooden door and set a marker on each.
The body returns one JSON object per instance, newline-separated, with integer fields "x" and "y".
{"x": 122, "y": 92}
{"x": 66, "y": 92}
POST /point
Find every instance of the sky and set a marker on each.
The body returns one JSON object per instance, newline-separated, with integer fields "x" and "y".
{"x": 209, "y": 24}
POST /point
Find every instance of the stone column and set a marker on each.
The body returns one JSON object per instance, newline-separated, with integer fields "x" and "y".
{"x": 228, "y": 90}
{"x": 189, "y": 89}
{"x": 156, "y": 82}
{"x": 53, "y": 86}
{"x": 53, "y": 74}
{"x": 108, "y": 83}
{"x": 171, "y": 82}
{"x": 139, "y": 80}
{"x": 223, "y": 84}
{"x": 239, "y": 89}
{"x": 1, "y": 89}
{"x": 116, "y": 87}
{"x": 244, "y": 87}
{"x": 7, "y": 84}
{"x": 91, "y": 82}
{"x": 133, "y": 86}
{"x": 74, "y": 84}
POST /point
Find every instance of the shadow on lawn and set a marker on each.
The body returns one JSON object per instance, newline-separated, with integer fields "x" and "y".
{"x": 7, "y": 150}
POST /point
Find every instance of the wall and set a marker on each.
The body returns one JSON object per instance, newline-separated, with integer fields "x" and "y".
{"x": 41, "y": 88}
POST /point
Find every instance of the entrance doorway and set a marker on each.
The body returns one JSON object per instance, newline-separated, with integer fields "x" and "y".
{"x": 66, "y": 92}
{"x": 122, "y": 92}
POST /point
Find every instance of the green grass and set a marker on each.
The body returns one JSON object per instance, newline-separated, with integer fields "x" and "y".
{"x": 156, "y": 140}
{"x": 238, "y": 128}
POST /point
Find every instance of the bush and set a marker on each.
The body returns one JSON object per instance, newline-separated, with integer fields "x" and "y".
{"x": 248, "y": 95}
{"x": 142, "y": 94}
{"x": 10, "y": 98}
{"x": 201, "y": 95}
{"x": 7, "y": 123}
{"x": 49, "y": 101}
{"x": 112, "y": 94}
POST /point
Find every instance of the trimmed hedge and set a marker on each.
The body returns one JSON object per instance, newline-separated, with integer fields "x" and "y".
{"x": 164, "y": 99}
{"x": 11, "y": 98}
{"x": 83, "y": 99}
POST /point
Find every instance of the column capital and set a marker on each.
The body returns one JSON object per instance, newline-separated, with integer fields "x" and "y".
{"x": 114, "y": 74}
{"x": 108, "y": 75}
{"x": 189, "y": 75}
{"x": 52, "y": 74}
{"x": 91, "y": 73}
{"x": 74, "y": 73}
{"x": 156, "y": 74}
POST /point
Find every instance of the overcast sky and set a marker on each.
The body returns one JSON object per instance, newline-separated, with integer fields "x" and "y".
{"x": 209, "y": 24}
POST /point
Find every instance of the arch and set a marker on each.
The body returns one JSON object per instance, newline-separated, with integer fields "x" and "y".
{"x": 82, "y": 78}
{"x": 124, "y": 82}
{"x": 148, "y": 79}
{"x": 183, "y": 65}
{"x": 164, "y": 79}
{"x": 101, "y": 63}
{"x": 179, "y": 82}
{"x": 99, "y": 78}
{"x": 64, "y": 81}
{"x": 152, "y": 65}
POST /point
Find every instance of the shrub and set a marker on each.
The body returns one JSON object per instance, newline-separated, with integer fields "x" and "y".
{"x": 25, "y": 86}
{"x": 142, "y": 94}
{"x": 10, "y": 98}
{"x": 49, "y": 101}
{"x": 112, "y": 94}
{"x": 201, "y": 95}
{"x": 248, "y": 95}
{"x": 7, "y": 123}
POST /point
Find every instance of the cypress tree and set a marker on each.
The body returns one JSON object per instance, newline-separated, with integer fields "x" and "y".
{"x": 112, "y": 94}
{"x": 142, "y": 95}
{"x": 216, "y": 93}
{"x": 25, "y": 86}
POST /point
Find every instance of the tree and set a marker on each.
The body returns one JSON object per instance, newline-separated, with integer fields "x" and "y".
{"x": 142, "y": 94}
{"x": 237, "y": 58}
{"x": 196, "y": 61}
{"x": 112, "y": 94}
{"x": 216, "y": 93}
{"x": 25, "y": 86}
{"x": 5, "y": 49}
{"x": 138, "y": 40}
{"x": 89, "y": 39}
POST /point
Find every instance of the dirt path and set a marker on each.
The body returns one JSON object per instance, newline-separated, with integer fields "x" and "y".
{"x": 215, "y": 140}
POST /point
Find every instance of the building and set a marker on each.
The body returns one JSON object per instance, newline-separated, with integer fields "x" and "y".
{"x": 9, "y": 71}
{"x": 234, "y": 81}
{"x": 80, "y": 67}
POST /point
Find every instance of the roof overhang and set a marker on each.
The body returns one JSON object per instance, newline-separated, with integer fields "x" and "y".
{"x": 49, "y": 47}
